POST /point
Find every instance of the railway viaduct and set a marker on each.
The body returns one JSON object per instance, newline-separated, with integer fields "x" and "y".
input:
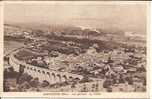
{"x": 52, "y": 76}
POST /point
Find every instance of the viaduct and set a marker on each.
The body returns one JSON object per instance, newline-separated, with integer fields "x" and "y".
{"x": 52, "y": 76}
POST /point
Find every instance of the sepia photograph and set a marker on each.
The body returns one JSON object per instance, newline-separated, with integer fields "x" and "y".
{"x": 75, "y": 47}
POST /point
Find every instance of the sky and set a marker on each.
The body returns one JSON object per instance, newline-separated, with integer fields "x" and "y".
{"x": 125, "y": 16}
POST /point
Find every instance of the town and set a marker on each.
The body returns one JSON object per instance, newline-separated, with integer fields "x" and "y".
{"x": 72, "y": 59}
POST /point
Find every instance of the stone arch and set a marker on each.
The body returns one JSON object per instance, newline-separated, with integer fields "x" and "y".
{"x": 77, "y": 79}
{"x": 39, "y": 71}
{"x": 27, "y": 70}
{"x": 43, "y": 75}
{"x": 58, "y": 78}
{"x": 27, "y": 67}
{"x": 48, "y": 77}
{"x": 35, "y": 69}
{"x": 35, "y": 72}
{"x": 53, "y": 78}
{"x": 48, "y": 73}
{"x": 21, "y": 69}
{"x": 70, "y": 78}
{"x": 31, "y": 68}
{"x": 43, "y": 72}
{"x": 53, "y": 74}
{"x": 65, "y": 78}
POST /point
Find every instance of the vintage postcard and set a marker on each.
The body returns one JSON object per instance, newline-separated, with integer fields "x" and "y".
{"x": 76, "y": 48}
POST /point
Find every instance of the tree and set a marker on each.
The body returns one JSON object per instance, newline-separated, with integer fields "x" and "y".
{"x": 107, "y": 83}
{"x": 45, "y": 83}
{"x": 6, "y": 86}
{"x": 11, "y": 69}
{"x": 24, "y": 77}
{"x": 34, "y": 82}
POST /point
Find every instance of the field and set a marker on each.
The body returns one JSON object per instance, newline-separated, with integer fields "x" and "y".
{"x": 9, "y": 46}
